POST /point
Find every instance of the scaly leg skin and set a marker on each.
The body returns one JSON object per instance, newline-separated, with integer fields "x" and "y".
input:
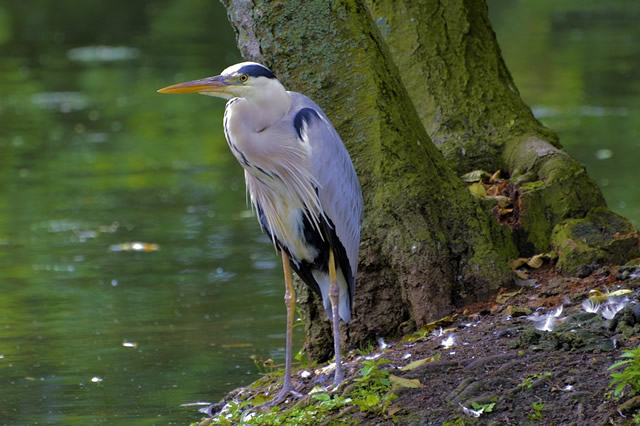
{"x": 290, "y": 302}
{"x": 334, "y": 293}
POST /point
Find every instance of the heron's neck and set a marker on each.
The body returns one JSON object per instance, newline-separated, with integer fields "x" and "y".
{"x": 247, "y": 118}
{"x": 266, "y": 109}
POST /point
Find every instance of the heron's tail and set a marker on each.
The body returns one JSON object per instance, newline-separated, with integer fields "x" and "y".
{"x": 344, "y": 302}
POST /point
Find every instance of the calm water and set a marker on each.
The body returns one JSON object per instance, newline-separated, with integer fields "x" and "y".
{"x": 92, "y": 159}
{"x": 92, "y": 330}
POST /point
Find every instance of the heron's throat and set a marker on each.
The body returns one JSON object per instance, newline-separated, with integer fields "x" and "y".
{"x": 267, "y": 108}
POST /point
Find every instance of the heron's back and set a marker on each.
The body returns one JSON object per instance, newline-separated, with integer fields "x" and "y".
{"x": 304, "y": 188}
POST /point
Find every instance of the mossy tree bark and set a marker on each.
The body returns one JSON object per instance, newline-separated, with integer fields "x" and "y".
{"x": 427, "y": 245}
{"x": 450, "y": 62}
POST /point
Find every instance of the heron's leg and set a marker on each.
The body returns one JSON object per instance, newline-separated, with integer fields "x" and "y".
{"x": 334, "y": 294}
{"x": 290, "y": 302}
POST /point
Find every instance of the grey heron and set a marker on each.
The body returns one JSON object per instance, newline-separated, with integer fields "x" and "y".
{"x": 301, "y": 183}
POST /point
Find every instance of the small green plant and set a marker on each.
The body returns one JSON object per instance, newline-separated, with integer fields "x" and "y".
{"x": 528, "y": 382}
{"x": 486, "y": 408}
{"x": 243, "y": 413}
{"x": 537, "y": 409}
{"x": 365, "y": 349}
{"x": 373, "y": 392}
{"x": 630, "y": 376}
{"x": 372, "y": 374}
{"x": 264, "y": 367}
{"x": 299, "y": 318}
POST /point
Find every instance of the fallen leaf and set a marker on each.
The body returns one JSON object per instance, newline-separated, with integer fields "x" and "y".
{"x": 401, "y": 382}
{"x": 393, "y": 410}
{"x": 503, "y": 297}
{"x": 503, "y": 202}
{"x": 516, "y": 263}
{"x": 522, "y": 274}
{"x": 475, "y": 176}
{"x": 478, "y": 190}
{"x": 518, "y": 311}
{"x": 317, "y": 390}
{"x": 537, "y": 260}
{"x": 418, "y": 363}
{"x": 620, "y": 292}
{"x": 494, "y": 177}
{"x": 439, "y": 323}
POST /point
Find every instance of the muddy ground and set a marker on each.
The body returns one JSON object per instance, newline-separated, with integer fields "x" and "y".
{"x": 539, "y": 364}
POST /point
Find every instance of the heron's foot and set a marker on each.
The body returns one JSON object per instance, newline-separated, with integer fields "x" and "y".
{"x": 285, "y": 392}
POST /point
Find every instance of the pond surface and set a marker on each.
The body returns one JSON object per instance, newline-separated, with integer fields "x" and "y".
{"x": 95, "y": 327}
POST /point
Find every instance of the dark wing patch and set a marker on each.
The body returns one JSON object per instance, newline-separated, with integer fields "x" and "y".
{"x": 342, "y": 260}
{"x": 321, "y": 243}
{"x": 305, "y": 115}
{"x": 305, "y": 269}
{"x": 255, "y": 70}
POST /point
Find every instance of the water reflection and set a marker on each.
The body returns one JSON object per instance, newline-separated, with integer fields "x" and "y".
{"x": 102, "y": 53}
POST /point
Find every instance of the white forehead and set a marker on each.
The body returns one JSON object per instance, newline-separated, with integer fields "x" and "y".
{"x": 233, "y": 69}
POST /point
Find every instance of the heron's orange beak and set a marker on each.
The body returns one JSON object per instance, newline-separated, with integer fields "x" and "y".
{"x": 209, "y": 85}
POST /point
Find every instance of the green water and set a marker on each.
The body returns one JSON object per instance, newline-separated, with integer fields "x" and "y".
{"x": 92, "y": 158}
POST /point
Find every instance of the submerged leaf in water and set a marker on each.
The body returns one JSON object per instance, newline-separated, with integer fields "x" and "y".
{"x": 134, "y": 246}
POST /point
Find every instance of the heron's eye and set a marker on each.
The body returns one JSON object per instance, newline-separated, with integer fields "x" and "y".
{"x": 244, "y": 78}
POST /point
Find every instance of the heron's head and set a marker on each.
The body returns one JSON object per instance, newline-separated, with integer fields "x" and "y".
{"x": 243, "y": 80}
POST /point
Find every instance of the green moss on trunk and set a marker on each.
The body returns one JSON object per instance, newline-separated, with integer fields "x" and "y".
{"x": 450, "y": 62}
{"x": 601, "y": 237}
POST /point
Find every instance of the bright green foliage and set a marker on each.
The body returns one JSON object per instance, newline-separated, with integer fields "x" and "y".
{"x": 528, "y": 382}
{"x": 372, "y": 374}
{"x": 240, "y": 413}
{"x": 630, "y": 376}
{"x": 486, "y": 408}
{"x": 365, "y": 348}
{"x": 374, "y": 390}
{"x": 537, "y": 409}
{"x": 372, "y": 393}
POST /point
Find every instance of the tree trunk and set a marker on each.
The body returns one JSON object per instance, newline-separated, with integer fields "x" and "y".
{"x": 427, "y": 244}
{"x": 450, "y": 62}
